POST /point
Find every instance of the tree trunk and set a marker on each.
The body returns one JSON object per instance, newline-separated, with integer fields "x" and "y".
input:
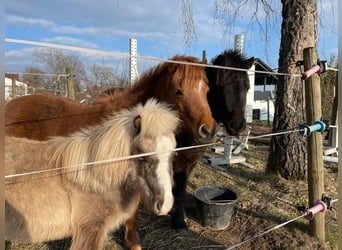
{"x": 288, "y": 152}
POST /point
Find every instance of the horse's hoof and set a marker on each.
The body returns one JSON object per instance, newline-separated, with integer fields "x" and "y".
{"x": 179, "y": 226}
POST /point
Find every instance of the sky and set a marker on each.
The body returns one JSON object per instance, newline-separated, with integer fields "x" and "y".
{"x": 156, "y": 24}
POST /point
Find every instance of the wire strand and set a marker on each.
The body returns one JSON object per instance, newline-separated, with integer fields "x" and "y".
{"x": 266, "y": 232}
{"x": 106, "y": 161}
{"x": 272, "y": 134}
{"x": 126, "y": 55}
{"x": 36, "y": 74}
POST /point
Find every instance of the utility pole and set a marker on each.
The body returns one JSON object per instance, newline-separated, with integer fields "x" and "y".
{"x": 14, "y": 88}
{"x": 133, "y": 60}
{"x": 70, "y": 83}
{"x": 238, "y": 45}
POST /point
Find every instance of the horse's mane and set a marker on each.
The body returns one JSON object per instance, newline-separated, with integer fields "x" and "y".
{"x": 229, "y": 58}
{"x": 109, "y": 140}
{"x": 157, "y": 76}
{"x": 111, "y": 94}
{"x": 232, "y": 58}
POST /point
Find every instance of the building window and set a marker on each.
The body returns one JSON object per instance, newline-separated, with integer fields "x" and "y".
{"x": 256, "y": 114}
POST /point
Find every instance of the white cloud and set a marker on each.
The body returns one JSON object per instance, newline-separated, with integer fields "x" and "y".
{"x": 64, "y": 40}
{"x": 18, "y": 20}
{"x": 130, "y": 15}
{"x": 25, "y": 52}
{"x": 17, "y": 60}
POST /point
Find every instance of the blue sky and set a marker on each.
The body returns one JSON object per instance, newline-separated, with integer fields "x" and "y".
{"x": 156, "y": 24}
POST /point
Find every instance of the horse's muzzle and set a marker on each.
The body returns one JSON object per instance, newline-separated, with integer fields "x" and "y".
{"x": 235, "y": 127}
{"x": 163, "y": 206}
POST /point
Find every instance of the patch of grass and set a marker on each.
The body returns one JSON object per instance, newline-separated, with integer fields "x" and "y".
{"x": 332, "y": 239}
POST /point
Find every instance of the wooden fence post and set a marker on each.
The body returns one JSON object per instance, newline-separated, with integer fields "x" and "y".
{"x": 70, "y": 83}
{"x": 14, "y": 88}
{"x": 315, "y": 143}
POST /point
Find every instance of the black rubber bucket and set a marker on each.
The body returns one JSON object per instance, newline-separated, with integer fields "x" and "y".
{"x": 216, "y": 205}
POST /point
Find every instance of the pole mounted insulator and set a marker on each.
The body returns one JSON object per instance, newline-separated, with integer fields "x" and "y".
{"x": 319, "y": 206}
{"x": 305, "y": 130}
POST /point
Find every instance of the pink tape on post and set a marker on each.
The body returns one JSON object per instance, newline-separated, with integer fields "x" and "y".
{"x": 319, "y": 206}
{"x": 310, "y": 72}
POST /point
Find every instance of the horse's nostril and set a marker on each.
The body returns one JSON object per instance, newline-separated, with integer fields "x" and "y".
{"x": 236, "y": 127}
{"x": 204, "y": 131}
{"x": 158, "y": 206}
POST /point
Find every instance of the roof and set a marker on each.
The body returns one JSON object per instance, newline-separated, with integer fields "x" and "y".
{"x": 262, "y": 95}
{"x": 264, "y": 79}
{"x": 8, "y": 82}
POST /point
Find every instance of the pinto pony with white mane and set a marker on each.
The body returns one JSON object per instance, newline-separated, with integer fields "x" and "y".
{"x": 86, "y": 201}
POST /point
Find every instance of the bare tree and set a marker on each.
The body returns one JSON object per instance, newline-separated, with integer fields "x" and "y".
{"x": 188, "y": 22}
{"x": 261, "y": 15}
{"x": 56, "y": 62}
{"x": 34, "y": 76}
{"x": 105, "y": 77}
{"x": 101, "y": 78}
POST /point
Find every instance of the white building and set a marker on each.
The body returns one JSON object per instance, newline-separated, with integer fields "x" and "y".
{"x": 261, "y": 94}
{"x": 263, "y": 88}
{"x": 250, "y": 95}
{"x": 21, "y": 88}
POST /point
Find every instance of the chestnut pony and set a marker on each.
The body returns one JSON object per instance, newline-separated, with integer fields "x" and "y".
{"x": 183, "y": 86}
{"x": 227, "y": 99}
{"x": 70, "y": 196}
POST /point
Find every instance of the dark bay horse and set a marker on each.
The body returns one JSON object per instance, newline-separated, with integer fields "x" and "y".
{"x": 228, "y": 90}
{"x": 68, "y": 197}
{"x": 183, "y": 86}
{"x": 227, "y": 100}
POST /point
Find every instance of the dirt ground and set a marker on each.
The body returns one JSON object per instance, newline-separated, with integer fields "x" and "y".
{"x": 264, "y": 201}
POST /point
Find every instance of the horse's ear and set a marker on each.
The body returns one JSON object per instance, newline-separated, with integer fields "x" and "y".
{"x": 247, "y": 64}
{"x": 137, "y": 124}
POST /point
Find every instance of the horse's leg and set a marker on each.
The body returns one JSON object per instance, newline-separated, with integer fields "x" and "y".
{"x": 179, "y": 192}
{"x": 183, "y": 165}
{"x": 131, "y": 235}
{"x": 90, "y": 217}
{"x": 88, "y": 236}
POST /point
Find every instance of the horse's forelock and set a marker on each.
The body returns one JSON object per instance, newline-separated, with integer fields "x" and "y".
{"x": 157, "y": 119}
{"x": 230, "y": 58}
{"x": 187, "y": 73}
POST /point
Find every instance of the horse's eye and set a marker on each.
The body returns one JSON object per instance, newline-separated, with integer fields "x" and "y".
{"x": 179, "y": 92}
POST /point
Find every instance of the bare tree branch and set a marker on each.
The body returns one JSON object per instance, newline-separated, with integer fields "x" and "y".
{"x": 188, "y": 22}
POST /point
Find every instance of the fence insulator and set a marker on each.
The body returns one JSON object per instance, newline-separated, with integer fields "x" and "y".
{"x": 305, "y": 130}
{"x": 319, "y": 206}
{"x": 310, "y": 72}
